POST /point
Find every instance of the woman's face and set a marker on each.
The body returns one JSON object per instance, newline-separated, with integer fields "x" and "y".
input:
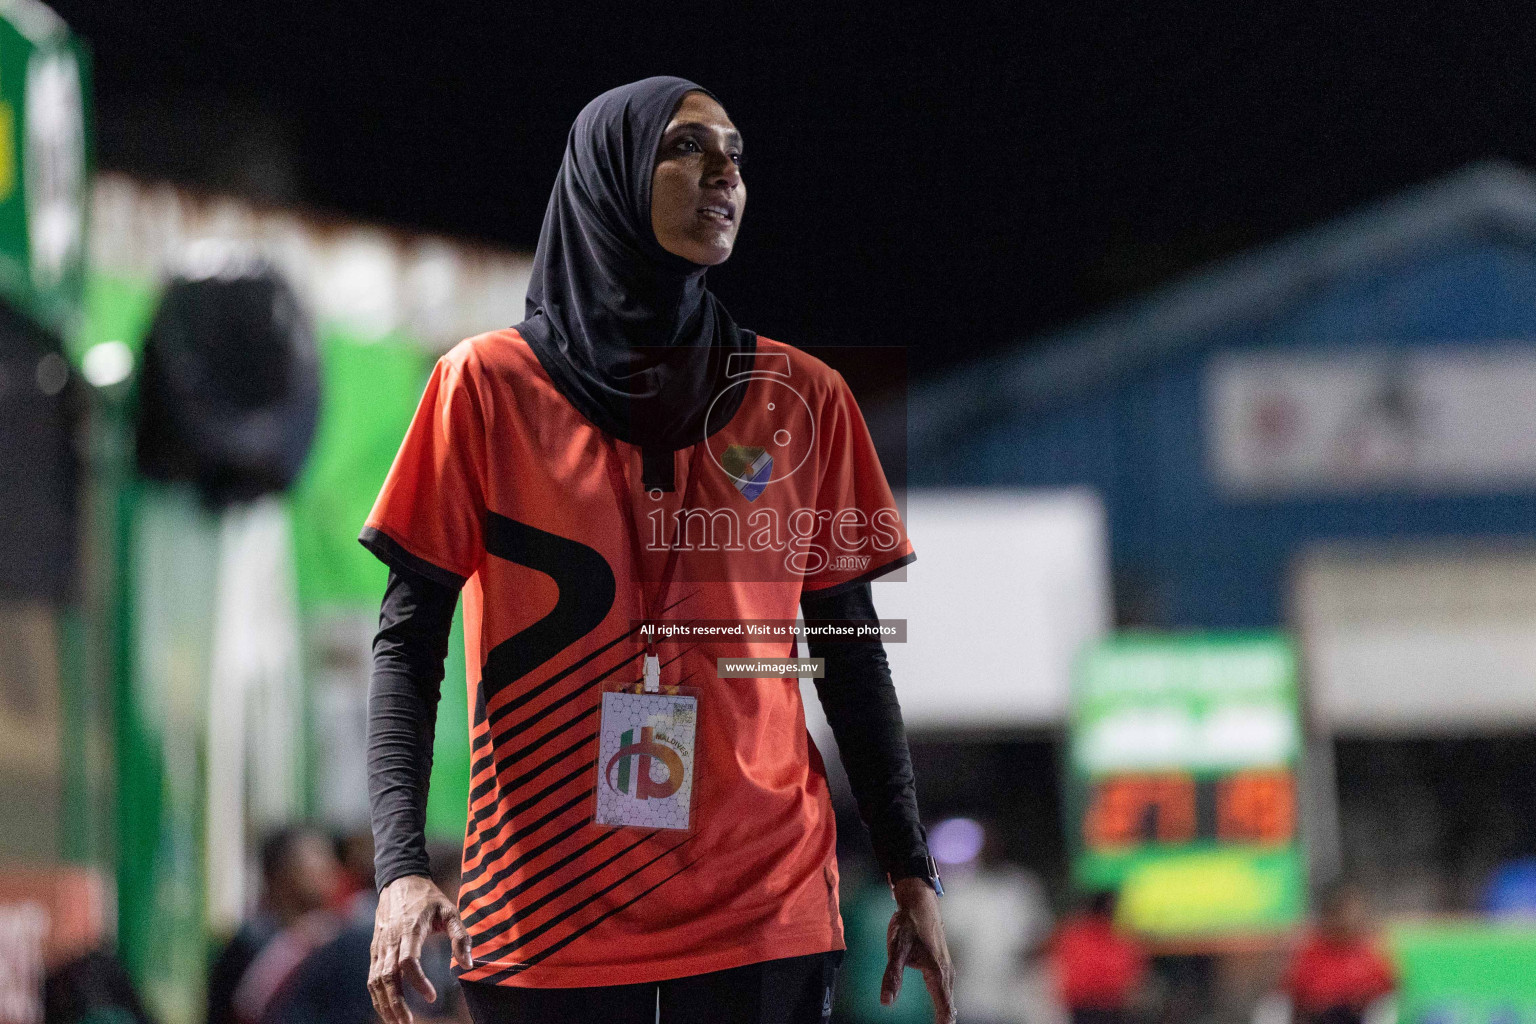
{"x": 697, "y": 195}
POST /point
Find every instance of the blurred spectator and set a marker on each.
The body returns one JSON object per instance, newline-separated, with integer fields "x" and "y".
{"x": 996, "y": 917}
{"x": 354, "y": 851}
{"x": 299, "y": 879}
{"x": 1338, "y": 972}
{"x": 92, "y": 989}
{"x": 1184, "y": 985}
{"x": 1100, "y": 971}
{"x": 1512, "y": 890}
{"x": 331, "y": 985}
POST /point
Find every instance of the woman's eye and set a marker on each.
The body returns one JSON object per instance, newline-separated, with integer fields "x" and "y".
{"x": 737, "y": 158}
{"x": 688, "y": 146}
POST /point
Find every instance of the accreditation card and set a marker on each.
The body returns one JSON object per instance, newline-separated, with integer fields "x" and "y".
{"x": 645, "y": 758}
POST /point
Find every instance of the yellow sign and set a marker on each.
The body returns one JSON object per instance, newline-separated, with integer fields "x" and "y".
{"x": 7, "y": 151}
{"x": 1200, "y": 893}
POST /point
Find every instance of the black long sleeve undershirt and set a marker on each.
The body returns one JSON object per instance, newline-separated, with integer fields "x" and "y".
{"x": 414, "y": 621}
{"x": 408, "y": 654}
{"x": 859, "y": 700}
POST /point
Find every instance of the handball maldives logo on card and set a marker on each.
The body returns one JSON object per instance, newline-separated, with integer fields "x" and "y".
{"x": 629, "y": 771}
{"x": 645, "y": 755}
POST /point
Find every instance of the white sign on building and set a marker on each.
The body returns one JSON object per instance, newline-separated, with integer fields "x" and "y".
{"x": 1420, "y": 419}
{"x": 1008, "y": 588}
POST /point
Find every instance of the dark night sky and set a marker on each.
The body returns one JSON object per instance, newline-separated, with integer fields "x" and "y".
{"x": 949, "y": 177}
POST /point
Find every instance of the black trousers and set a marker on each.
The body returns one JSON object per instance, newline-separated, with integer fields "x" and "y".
{"x": 1102, "y": 1017}
{"x": 797, "y": 990}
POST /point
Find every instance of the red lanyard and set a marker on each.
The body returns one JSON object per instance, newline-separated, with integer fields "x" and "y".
{"x": 649, "y": 612}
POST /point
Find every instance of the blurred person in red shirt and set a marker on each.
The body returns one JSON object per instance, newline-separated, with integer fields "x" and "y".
{"x": 1338, "y": 971}
{"x": 1099, "y": 969}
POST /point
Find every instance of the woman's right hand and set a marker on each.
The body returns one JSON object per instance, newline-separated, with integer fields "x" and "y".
{"x": 410, "y": 909}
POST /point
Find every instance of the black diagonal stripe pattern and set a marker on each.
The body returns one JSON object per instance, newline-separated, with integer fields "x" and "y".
{"x": 468, "y": 895}
{"x": 557, "y": 919}
{"x": 490, "y": 844}
{"x": 493, "y": 851}
{"x": 483, "y": 841}
{"x": 489, "y": 737}
{"x": 680, "y": 653}
{"x": 555, "y": 947}
{"x": 514, "y": 785}
{"x": 484, "y": 811}
{"x": 529, "y": 748}
{"x": 480, "y": 816}
{"x": 489, "y": 885}
{"x": 533, "y": 693}
{"x": 518, "y": 728}
{"x": 527, "y": 803}
{"x": 493, "y": 740}
{"x": 524, "y": 912}
{"x": 504, "y": 764}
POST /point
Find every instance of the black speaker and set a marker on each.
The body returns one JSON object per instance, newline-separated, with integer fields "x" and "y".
{"x": 229, "y": 392}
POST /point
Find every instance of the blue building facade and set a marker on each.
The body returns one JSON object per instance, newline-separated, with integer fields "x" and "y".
{"x": 1121, "y": 403}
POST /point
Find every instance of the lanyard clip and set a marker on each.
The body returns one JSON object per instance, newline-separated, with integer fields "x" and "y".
{"x": 652, "y": 674}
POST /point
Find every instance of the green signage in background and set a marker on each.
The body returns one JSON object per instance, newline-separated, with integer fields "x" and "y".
{"x": 1181, "y": 782}
{"x": 44, "y": 165}
{"x": 1465, "y": 972}
{"x": 371, "y": 391}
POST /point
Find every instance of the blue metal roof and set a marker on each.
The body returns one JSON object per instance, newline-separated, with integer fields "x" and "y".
{"x": 1492, "y": 200}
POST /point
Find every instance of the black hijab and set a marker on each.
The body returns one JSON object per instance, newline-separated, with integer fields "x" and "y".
{"x": 627, "y": 330}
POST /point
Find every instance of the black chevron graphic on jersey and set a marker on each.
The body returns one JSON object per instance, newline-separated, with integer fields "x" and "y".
{"x": 586, "y": 590}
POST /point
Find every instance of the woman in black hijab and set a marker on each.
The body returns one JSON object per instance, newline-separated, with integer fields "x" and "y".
{"x": 649, "y": 196}
{"x": 618, "y": 312}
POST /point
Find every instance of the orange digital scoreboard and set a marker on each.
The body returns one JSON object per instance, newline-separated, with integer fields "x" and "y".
{"x": 1247, "y": 807}
{"x": 1181, "y": 783}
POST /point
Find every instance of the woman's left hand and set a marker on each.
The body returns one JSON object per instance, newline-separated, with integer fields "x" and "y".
{"x": 915, "y": 938}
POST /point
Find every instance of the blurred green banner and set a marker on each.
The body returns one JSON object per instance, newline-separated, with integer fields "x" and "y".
{"x": 165, "y": 647}
{"x": 1181, "y": 782}
{"x": 1466, "y": 972}
{"x": 371, "y": 390}
{"x": 44, "y": 164}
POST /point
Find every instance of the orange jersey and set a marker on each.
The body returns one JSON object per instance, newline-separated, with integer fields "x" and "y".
{"x": 502, "y": 486}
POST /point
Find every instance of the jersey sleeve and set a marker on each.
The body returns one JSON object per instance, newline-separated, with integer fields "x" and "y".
{"x": 430, "y": 513}
{"x": 860, "y": 535}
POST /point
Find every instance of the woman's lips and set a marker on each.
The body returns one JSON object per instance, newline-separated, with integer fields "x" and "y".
{"x": 717, "y": 213}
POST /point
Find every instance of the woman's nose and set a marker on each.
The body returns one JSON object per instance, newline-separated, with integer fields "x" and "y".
{"x": 721, "y": 172}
